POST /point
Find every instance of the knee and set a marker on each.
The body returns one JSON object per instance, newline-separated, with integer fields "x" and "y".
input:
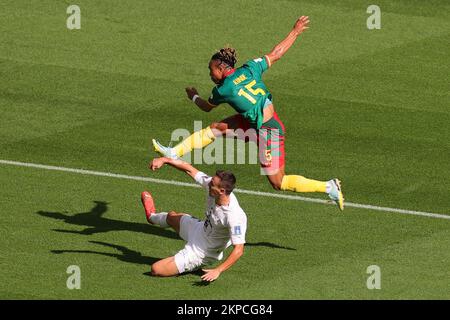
{"x": 218, "y": 127}
{"x": 156, "y": 270}
{"x": 171, "y": 216}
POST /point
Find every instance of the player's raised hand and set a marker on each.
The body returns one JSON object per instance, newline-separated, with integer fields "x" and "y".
{"x": 301, "y": 24}
{"x": 191, "y": 92}
{"x": 210, "y": 274}
{"x": 156, "y": 164}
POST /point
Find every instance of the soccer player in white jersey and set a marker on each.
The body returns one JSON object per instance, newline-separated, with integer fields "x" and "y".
{"x": 225, "y": 224}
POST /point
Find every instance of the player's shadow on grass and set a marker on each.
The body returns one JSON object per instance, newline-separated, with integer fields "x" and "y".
{"x": 268, "y": 244}
{"x": 129, "y": 256}
{"x": 126, "y": 255}
{"x": 96, "y": 223}
{"x": 196, "y": 272}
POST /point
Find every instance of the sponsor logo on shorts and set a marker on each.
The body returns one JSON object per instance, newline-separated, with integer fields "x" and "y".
{"x": 237, "y": 230}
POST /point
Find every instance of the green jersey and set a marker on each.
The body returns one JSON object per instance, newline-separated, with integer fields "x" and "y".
{"x": 244, "y": 91}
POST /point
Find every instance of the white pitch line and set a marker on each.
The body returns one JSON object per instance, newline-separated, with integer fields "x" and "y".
{"x": 250, "y": 192}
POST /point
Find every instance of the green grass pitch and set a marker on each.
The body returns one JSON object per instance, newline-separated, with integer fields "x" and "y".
{"x": 368, "y": 106}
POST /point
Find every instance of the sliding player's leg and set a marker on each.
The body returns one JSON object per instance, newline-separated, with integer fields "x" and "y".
{"x": 186, "y": 226}
{"x": 165, "y": 268}
{"x": 188, "y": 259}
{"x": 162, "y": 219}
{"x": 202, "y": 138}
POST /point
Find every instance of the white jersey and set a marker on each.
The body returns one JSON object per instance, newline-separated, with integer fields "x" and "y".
{"x": 224, "y": 225}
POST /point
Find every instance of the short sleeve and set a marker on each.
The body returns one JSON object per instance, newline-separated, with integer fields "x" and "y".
{"x": 215, "y": 98}
{"x": 202, "y": 179}
{"x": 258, "y": 65}
{"x": 238, "y": 228}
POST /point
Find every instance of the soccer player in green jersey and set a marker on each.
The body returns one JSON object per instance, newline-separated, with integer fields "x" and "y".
{"x": 243, "y": 89}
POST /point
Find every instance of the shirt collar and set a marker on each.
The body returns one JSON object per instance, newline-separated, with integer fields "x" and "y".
{"x": 229, "y": 72}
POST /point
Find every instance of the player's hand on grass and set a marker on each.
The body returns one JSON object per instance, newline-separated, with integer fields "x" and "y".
{"x": 301, "y": 24}
{"x": 210, "y": 274}
{"x": 191, "y": 92}
{"x": 156, "y": 163}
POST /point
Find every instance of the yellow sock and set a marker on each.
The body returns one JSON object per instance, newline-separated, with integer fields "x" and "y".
{"x": 197, "y": 140}
{"x": 302, "y": 184}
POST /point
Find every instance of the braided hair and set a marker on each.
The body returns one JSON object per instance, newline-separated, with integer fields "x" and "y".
{"x": 226, "y": 55}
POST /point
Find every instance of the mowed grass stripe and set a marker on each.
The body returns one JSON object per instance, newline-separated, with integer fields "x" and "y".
{"x": 250, "y": 192}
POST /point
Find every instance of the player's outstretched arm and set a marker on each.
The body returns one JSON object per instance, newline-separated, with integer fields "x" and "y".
{"x": 176, "y": 163}
{"x": 203, "y": 104}
{"x": 280, "y": 49}
{"x": 213, "y": 274}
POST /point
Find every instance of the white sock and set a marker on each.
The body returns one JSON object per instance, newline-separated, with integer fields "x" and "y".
{"x": 159, "y": 219}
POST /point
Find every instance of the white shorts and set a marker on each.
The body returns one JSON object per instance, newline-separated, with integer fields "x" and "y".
{"x": 191, "y": 257}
